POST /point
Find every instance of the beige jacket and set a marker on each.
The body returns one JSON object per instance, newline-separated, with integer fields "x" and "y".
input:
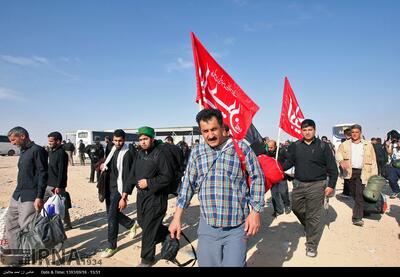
{"x": 369, "y": 167}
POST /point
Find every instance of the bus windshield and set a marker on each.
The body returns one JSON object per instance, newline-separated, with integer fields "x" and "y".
{"x": 82, "y": 135}
{"x": 338, "y": 131}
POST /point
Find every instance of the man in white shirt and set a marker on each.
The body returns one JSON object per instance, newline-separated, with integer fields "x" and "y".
{"x": 357, "y": 157}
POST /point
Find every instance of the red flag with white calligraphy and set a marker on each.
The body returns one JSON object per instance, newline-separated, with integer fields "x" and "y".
{"x": 217, "y": 90}
{"x": 291, "y": 115}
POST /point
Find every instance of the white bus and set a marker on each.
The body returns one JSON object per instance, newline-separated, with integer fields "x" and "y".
{"x": 6, "y": 148}
{"x": 338, "y": 133}
{"x": 88, "y": 136}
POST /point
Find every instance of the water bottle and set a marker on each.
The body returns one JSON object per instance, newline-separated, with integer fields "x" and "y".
{"x": 51, "y": 209}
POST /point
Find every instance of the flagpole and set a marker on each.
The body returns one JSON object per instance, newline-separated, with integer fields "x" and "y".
{"x": 278, "y": 143}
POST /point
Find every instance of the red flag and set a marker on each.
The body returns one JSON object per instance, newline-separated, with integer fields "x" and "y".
{"x": 216, "y": 89}
{"x": 291, "y": 115}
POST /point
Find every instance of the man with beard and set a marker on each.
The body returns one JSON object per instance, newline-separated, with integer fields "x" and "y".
{"x": 58, "y": 173}
{"x": 117, "y": 164}
{"x": 31, "y": 186}
{"x": 151, "y": 175}
{"x": 279, "y": 191}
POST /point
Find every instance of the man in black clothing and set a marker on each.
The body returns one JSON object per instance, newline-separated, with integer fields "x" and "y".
{"x": 109, "y": 145}
{"x": 118, "y": 164}
{"x": 69, "y": 148}
{"x": 31, "y": 185}
{"x": 279, "y": 191}
{"x": 151, "y": 175}
{"x": 381, "y": 155}
{"x": 96, "y": 153}
{"x": 81, "y": 150}
{"x": 58, "y": 174}
{"x": 314, "y": 163}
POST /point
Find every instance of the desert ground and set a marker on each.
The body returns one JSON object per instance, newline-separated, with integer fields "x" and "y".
{"x": 280, "y": 243}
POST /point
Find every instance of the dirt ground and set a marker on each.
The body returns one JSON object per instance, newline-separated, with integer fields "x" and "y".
{"x": 280, "y": 243}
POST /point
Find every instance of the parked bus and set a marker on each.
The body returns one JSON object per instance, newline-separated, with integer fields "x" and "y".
{"x": 338, "y": 133}
{"x": 6, "y": 148}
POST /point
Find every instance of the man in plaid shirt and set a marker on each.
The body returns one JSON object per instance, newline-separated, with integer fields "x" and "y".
{"x": 225, "y": 217}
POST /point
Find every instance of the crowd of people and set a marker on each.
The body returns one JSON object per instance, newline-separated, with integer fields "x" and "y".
{"x": 231, "y": 196}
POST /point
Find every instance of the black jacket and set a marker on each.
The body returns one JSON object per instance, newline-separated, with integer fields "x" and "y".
{"x": 314, "y": 162}
{"x": 32, "y": 173}
{"x": 151, "y": 165}
{"x": 58, "y": 168}
{"x": 127, "y": 164}
{"x": 81, "y": 147}
{"x": 69, "y": 146}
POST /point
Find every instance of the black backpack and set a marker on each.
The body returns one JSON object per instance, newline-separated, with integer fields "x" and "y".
{"x": 170, "y": 248}
{"x": 176, "y": 165}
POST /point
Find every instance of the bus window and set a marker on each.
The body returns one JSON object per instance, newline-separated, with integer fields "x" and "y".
{"x": 82, "y": 135}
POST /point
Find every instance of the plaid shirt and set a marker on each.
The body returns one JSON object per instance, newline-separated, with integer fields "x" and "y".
{"x": 222, "y": 189}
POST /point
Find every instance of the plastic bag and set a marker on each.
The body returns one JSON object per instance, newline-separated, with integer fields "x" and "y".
{"x": 59, "y": 203}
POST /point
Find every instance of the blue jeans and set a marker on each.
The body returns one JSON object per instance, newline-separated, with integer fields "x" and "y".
{"x": 221, "y": 247}
{"x": 394, "y": 174}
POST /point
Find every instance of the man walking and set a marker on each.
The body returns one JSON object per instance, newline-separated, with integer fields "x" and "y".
{"x": 314, "y": 162}
{"x": 118, "y": 163}
{"x": 357, "y": 157}
{"x": 58, "y": 173}
{"x": 151, "y": 175}
{"x": 279, "y": 191}
{"x": 31, "y": 185}
{"x": 81, "y": 150}
{"x": 69, "y": 148}
{"x": 96, "y": 153}
{"x": 214, "y": 171}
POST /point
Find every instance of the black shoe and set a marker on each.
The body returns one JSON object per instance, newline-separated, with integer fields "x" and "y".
{"x": 358, "y": 222}
{"x": 145, "y": 263}
{"x": 310, "y": 252}
{"x": 288, "y": 210}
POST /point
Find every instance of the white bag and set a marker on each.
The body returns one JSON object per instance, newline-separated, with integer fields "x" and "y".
{"x": 59, "y": 204}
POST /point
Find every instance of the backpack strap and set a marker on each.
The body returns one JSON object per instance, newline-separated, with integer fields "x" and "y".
{"x": 242, "y": 159}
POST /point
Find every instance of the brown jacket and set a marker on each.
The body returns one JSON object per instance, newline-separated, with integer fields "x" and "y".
{"x": 369, "y": 167}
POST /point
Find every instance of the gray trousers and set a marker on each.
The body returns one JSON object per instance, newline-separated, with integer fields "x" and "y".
{"x": 221, "y": 247}
{"x": 19, "y": 215}
{"x": 307, "y": 203}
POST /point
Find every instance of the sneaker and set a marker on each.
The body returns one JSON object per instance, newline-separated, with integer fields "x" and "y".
{"x": 108, "y": 252}
{"x": 288, "y": 210}
{"x": 358, "y": 222}
{"x": 394, "y": 195}
{"x": 133, "y": 230}
{"x": 311, "y": 252}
